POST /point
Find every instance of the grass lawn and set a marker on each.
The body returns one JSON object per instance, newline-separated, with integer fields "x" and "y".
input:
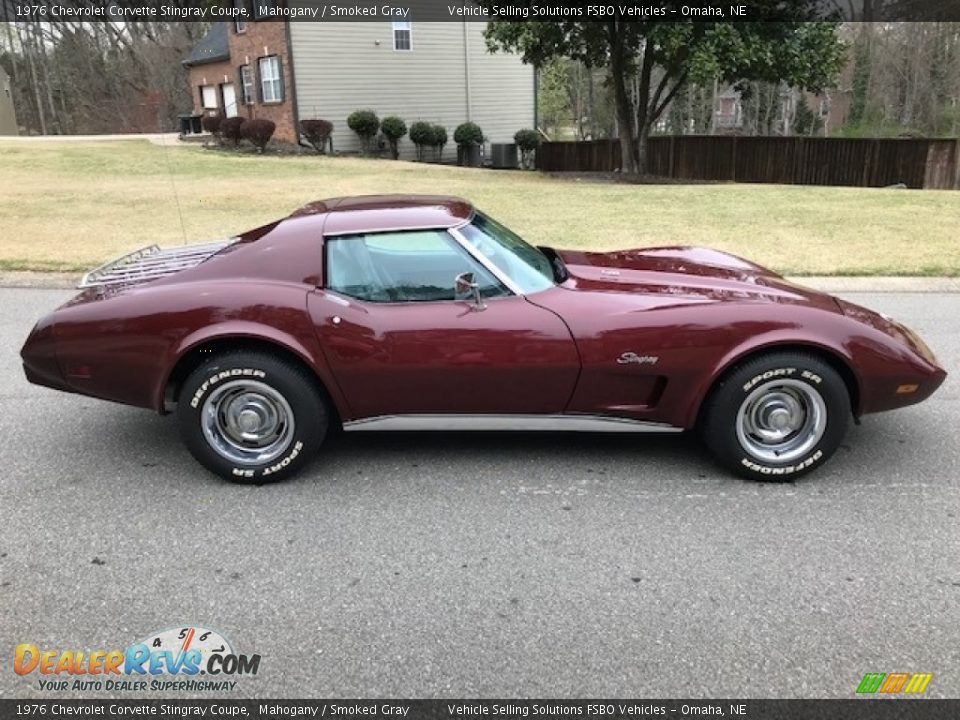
{"x": 71, "y": 205}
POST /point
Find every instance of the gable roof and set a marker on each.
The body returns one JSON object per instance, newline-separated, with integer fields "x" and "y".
{"x": 212, "y": 47}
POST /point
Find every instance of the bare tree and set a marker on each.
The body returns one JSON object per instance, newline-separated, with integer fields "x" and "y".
{"x": 70, "y": 76}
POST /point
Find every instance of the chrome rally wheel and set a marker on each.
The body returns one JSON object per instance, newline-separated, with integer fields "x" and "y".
{"x": 247, "y": 422}
{"x": 780, "y": 421}
{"x": 252, "y": 417}
{"x": 776, "y": 416}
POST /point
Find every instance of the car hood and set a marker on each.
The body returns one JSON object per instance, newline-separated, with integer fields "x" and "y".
{"x": 690, "y": 272}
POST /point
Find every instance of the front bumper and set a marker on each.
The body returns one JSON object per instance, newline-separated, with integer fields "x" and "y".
{"x": 906, "y": 373}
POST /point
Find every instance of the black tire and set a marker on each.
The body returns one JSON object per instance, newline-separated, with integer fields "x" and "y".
{"x": 252, "y": 417}
{"x": 777, "y": 392}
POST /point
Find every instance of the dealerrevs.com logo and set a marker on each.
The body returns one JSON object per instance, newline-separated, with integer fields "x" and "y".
{"x": 171, "y": 659}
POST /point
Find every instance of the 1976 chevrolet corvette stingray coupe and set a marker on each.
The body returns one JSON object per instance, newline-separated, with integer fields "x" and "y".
{"x": 422, "y": 313}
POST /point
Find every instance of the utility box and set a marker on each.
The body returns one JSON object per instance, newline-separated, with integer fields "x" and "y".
{"x": 503, "y": 156}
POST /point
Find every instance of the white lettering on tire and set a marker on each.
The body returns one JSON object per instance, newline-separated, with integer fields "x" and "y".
{"x": 298, "y": 446}
{"x": 785, "y": 470}
{"x": 222, "y": 375}
{"x": 779, "y": 372}
{"x": 277, "y": 466}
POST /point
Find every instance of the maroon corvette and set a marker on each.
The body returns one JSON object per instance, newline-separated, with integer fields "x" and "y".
{"x": 422, "y": 313}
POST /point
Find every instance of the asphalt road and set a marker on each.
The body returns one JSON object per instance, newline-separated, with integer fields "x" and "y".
{"x": 489, "y": 565}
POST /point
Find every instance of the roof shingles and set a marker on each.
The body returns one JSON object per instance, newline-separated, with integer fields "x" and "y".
{"x": 213, "y": 47}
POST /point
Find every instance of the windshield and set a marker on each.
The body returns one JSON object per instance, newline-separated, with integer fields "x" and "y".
{"x": 529, "y": 268}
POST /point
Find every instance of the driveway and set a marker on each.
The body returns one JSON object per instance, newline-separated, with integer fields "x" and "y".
{"x": 170, "y": 138}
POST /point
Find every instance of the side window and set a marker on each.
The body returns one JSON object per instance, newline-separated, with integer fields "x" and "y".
{"x": 246, "y": 84}
{"x": 416, "y": 266}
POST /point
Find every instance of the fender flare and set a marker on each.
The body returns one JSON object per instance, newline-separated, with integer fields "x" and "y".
{"x": 771, "y": 342}
{"x": 308, "y": 352}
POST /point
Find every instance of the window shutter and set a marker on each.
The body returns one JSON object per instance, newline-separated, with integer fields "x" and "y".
{"x": 258, "y": 78}
{"x": 242, "y": 95}
{"x": 280, "y": 75}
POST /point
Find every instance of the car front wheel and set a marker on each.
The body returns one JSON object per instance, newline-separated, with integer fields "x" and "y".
{"x": 776, "y": 416}
{"x": 251, "y": 417}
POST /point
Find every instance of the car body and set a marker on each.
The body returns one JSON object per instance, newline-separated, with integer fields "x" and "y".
{"x": 420, "y": 312}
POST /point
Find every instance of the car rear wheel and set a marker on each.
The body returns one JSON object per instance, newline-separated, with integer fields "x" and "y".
{"x": 776, "y": 416}
{"x": 251, "y": 417}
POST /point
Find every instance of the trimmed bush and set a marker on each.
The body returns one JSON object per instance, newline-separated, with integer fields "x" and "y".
{"x": 258, "y": 131}
{"x": 211, "y": 124}
{"x": 365, "y": 124}
{"x": 421, "y": 134}
{"x": 230, "y": 129}
{"x": 468, "y": 133}
{"x": 528, "y": 141}
{"x": 317, "y": 133}
{"x": 393, "y": 128}
{"x": 439, "y": 141}
{"x": 469, "y": 138}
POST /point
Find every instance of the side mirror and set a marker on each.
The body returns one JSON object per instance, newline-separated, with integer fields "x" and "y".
{"x": 464, "y": 284}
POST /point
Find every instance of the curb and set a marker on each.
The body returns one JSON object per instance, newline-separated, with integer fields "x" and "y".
{"x": 823, "y": 283}
{"x": 42, "y": 280}
{"x": 879, "y": 284}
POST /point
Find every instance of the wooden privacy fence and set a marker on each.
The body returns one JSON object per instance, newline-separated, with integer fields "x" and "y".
{"x": 867, "y": 162}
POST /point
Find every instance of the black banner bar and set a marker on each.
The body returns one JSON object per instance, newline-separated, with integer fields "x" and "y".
{"x": 465, "y": 10}
{"x": 855, "y": 709}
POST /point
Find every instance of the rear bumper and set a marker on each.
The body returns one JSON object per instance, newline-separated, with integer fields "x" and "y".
{"x": 46, "y": 378}
{"x": 40, "y": 357}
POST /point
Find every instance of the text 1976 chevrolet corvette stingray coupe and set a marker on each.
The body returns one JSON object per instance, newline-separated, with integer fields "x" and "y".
{"x": 418, "y": 313}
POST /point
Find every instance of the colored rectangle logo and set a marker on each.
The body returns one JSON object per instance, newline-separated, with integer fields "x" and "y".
{"x": 894, "y": 683}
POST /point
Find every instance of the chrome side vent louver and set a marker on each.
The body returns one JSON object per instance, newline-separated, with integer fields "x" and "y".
{"x": 150, "y": 263}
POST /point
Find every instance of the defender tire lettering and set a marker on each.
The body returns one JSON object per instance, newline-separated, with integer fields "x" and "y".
{"x": 786, "y": 470}
{"x": 223, "y": 375}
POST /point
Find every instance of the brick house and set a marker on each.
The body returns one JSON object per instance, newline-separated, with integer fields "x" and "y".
{"x": 285, "y": 71}
{"x": 238, "y": 68}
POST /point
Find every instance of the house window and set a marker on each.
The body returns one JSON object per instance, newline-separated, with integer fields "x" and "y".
{"x": 208, "y": 97}
{"x": 402, "y": 39}
{"x": 240, "y": 26}
{"x": 271, "y": 87}
{"x": 246, "y": 85}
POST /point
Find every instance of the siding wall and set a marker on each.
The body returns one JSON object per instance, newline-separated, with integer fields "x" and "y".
{"x": 342, "y": 66}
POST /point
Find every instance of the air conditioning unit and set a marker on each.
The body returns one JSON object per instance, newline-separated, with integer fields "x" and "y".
{"x": 503, "y": 156}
